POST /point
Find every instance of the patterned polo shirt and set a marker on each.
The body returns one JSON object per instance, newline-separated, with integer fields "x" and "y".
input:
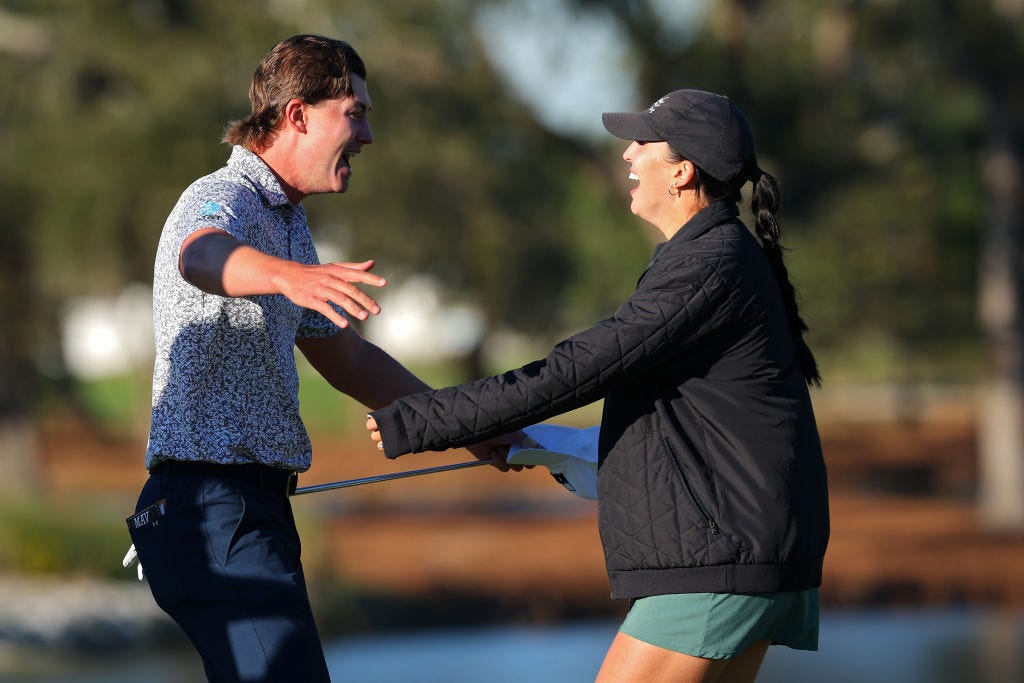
{"x": 225, "y": 385}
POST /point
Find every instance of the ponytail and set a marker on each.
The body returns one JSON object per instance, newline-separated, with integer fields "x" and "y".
{"x": 765, "y": 204}
{"x": 255, "y": 132}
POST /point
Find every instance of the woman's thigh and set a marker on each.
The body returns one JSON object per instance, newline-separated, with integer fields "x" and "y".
{"x": 630, "y": 660}
{"x": 743, "y": 667}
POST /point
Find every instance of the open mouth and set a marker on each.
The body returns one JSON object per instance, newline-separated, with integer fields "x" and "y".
{"x": 347, "y": 158}
{"x": 633, "y": 176}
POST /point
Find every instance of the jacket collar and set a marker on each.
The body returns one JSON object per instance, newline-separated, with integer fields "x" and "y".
{"x": 256, "y": 170}
{"x": 711, "y": 215}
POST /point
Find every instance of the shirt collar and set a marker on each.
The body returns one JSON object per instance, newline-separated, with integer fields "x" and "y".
{"x": 255, "y": 169}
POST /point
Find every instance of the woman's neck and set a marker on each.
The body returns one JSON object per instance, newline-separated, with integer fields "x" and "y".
{"x": 685, "y": 209}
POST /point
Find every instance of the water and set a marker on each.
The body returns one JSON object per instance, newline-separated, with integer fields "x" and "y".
{"x": 936, "y": 646}
{"x": 943, "y": 646}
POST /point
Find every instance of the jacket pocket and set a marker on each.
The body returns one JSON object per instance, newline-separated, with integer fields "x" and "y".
{"x": 708, "y": 522}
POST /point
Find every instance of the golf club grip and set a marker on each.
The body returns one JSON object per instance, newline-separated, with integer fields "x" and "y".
{"x": 348, "y": 483}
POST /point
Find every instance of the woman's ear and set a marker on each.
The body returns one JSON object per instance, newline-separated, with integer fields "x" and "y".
{"x": 685, "y": 173}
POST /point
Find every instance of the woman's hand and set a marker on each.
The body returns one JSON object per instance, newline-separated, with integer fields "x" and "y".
{"x": 371, "y": 426}
{"x": 494, "y": 451}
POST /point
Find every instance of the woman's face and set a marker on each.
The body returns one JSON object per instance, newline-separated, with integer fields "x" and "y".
{"x": 655, "y": 176}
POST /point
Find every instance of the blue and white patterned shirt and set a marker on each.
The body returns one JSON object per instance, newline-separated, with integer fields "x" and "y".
{"x": 225, "y": 385}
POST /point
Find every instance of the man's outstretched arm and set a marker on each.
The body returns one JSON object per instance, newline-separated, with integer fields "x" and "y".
{"x": 218, "y": 263}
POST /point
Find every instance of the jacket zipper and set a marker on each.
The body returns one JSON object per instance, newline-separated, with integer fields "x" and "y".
{"x": 709, "y": 522}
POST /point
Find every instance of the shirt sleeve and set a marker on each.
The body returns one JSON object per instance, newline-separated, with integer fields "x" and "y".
{"x": 676, "y": 304}
{"x": 315, "y": 325}
{"x": 214, "y": 204}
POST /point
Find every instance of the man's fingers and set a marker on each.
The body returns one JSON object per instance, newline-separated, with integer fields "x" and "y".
{"x": 358, "y": 305}
{"x": 362, "y": 265}
{"x": 354, "y": 272}
{"x": 330, "y": 313}
{"x": 354, "y": 301}
{"x": 322, "y": 287}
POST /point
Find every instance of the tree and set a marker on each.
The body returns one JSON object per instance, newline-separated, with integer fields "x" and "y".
{"x": 112, "y": 107}
{"x": 895, "y": 128}
{"x": 873, "y": 115}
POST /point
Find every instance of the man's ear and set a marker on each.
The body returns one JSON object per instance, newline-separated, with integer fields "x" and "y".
{"x": 295, "y": 115}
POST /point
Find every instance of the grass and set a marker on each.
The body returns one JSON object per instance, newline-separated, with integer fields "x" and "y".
{"x": 69, "y": 538}
{"x": 122, "y": 402}
{"x": 327, "y": 411}
{"x": 118, "y": 401}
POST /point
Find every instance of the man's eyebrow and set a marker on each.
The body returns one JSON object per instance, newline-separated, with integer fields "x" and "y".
{"x": 359, "y": 105}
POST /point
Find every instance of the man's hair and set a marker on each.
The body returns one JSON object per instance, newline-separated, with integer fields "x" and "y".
{"x": 309, "y": 67}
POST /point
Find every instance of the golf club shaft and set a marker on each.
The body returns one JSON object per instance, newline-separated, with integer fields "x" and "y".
{"x": 348, "y": 483}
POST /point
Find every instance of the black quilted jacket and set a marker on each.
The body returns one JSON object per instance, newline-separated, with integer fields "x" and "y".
{"x": 711, "y": 476}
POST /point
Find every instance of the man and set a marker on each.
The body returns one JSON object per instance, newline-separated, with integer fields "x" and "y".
{"x": 237, "y": 285}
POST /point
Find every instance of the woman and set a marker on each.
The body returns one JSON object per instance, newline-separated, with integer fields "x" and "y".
{"x": 712, "y": 495}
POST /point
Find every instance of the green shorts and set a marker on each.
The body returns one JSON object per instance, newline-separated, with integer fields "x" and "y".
{"x": 722, "y": 625}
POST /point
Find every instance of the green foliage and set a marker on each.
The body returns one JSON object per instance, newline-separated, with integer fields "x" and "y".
{"x": 873, "y": 116}
{"x": 120, "y": 105}
{"x": 118, "y": 402}
{"x": 327, "y": 412}
{"x": 68, "y": 537}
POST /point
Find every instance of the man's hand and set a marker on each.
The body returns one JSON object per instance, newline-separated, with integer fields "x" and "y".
{"x": 218, "y": 263}
{"x": 317, "y": 287}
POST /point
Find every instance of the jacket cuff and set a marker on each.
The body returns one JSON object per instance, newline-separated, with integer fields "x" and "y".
{"x": 392, "y": 431}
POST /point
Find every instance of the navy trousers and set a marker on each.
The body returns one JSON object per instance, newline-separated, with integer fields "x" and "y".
{"x": 223, "y": 561}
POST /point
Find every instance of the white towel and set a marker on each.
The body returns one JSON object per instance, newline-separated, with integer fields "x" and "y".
{"x": 569, "y": 453}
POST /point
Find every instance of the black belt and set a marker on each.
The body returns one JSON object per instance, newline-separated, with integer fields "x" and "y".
{"x": 270, "y": 478}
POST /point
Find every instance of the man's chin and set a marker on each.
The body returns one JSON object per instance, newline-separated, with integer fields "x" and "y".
{"x": 341, "y": 183}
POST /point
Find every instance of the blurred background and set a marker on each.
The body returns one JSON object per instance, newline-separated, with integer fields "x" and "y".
{"x": 498, "y": 210}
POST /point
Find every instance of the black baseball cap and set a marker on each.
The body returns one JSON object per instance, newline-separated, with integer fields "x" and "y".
{"x": 708, "y": 129}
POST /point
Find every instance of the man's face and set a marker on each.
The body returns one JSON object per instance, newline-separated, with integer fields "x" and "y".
{"x": 337, "y": 130}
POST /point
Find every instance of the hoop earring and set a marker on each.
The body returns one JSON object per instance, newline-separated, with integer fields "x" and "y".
{"x": 671, "y": 193}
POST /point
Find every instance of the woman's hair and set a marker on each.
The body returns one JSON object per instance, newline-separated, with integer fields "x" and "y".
{"x": 764, "y": 203}
{"x": 308, "y": 67}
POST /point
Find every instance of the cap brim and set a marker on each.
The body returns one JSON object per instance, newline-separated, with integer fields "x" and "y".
{"x": 629, "y": 126}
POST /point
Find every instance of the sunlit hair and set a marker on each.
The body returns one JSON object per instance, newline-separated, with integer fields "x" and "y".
{"x": 308, "y": 67}
{"x": 764, "y": 203}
